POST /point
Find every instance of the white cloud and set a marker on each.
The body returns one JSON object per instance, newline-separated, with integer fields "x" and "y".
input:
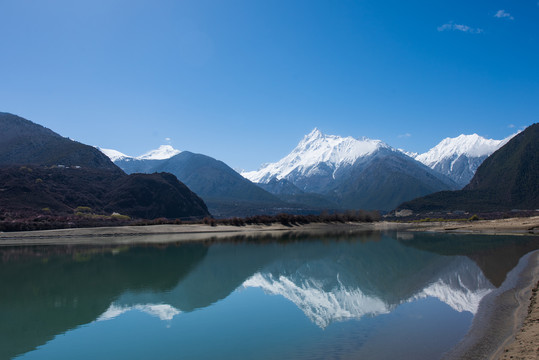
{"x": 167, "y": 139}
{"x": 407, "y": 135}
{"x": 459, "y": 27}
{"x": 503, "y": 14}
{"x": 511, "y": 126}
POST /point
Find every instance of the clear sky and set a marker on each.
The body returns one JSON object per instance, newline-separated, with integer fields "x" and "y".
{"x": 244, "y": 80}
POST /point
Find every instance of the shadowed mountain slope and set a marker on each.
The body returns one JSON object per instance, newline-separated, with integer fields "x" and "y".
{"x": 60, "y": 191}
{"x": 45, "y": 173}
{"x": 226, "y": 192}
{"x": 23, "y": 142}
{"x": 506, "y": 180}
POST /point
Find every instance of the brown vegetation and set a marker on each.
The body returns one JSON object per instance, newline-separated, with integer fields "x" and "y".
{"x": 20, "y": 221}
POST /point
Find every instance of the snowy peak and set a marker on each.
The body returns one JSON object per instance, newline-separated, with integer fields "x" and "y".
{"x": 162, "y": 153}
{"x": 313, "y": 135}
{"x": 314, "y": 149}
{"x": 468, "y": 145}
{"x": 114, "y": 155}
{"x": 460, "y": 157}
{"x": 411, "y": 154}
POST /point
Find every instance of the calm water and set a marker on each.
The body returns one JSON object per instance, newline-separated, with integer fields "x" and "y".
{"x": 378, "y": 296}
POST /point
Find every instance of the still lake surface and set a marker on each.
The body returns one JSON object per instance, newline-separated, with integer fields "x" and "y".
{"x": 371, "y": 296}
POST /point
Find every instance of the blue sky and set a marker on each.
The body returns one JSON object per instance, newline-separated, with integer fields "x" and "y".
{"x": 243, "y": 81}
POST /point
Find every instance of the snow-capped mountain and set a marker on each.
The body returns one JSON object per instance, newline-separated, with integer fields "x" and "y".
{"x": 161, "y": 153}
{"x": 356, "y": 173}
{"x": 317, "y": 153}
{"x": 114, "y": 155}
{"x": 459, "y": 157}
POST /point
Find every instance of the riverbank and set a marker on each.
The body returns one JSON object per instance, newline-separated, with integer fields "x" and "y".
{"x": 525, "y": 344}
{"x": 194, "y": 232}
{"x": 497, "y": 331}
{"x": 511, "y": 226}
{"x": 122, "y": 235}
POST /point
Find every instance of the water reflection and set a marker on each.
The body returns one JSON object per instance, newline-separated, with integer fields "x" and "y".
{"x": 52, "y": 291}
{"x": 335, "y": 297}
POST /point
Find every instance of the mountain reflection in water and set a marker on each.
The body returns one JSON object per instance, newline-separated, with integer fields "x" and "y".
{"x": 50, "y": 291}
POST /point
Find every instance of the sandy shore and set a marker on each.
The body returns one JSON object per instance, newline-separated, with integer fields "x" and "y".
{"x": 500, "y": 319}
{"x": 178, "y": 233}
{"x": 504, "y": 330}
{"x": 525, "y": 344}
{"x": 510, "y": 226}
{"x": 168, "y": 233}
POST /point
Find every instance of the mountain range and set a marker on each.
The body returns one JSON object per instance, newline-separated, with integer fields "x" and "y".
{"x": 506, "y": 180}
{"x": 356, "y": 173}
{"x": 225, "y": 191}
{"x": 322, "y": 172}
{"x": 43, "y": 173}
{"x": 456, "y": 158}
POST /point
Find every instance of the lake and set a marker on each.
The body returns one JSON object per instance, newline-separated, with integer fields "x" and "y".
{"x": 370, "y": 295}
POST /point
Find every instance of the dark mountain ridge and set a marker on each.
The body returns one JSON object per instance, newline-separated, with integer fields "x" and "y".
{"x": 506, "y": 180}
{"x": 37, "y": 190}
{"x": 23, "y": 142}
{"x": 43, "y": 172}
